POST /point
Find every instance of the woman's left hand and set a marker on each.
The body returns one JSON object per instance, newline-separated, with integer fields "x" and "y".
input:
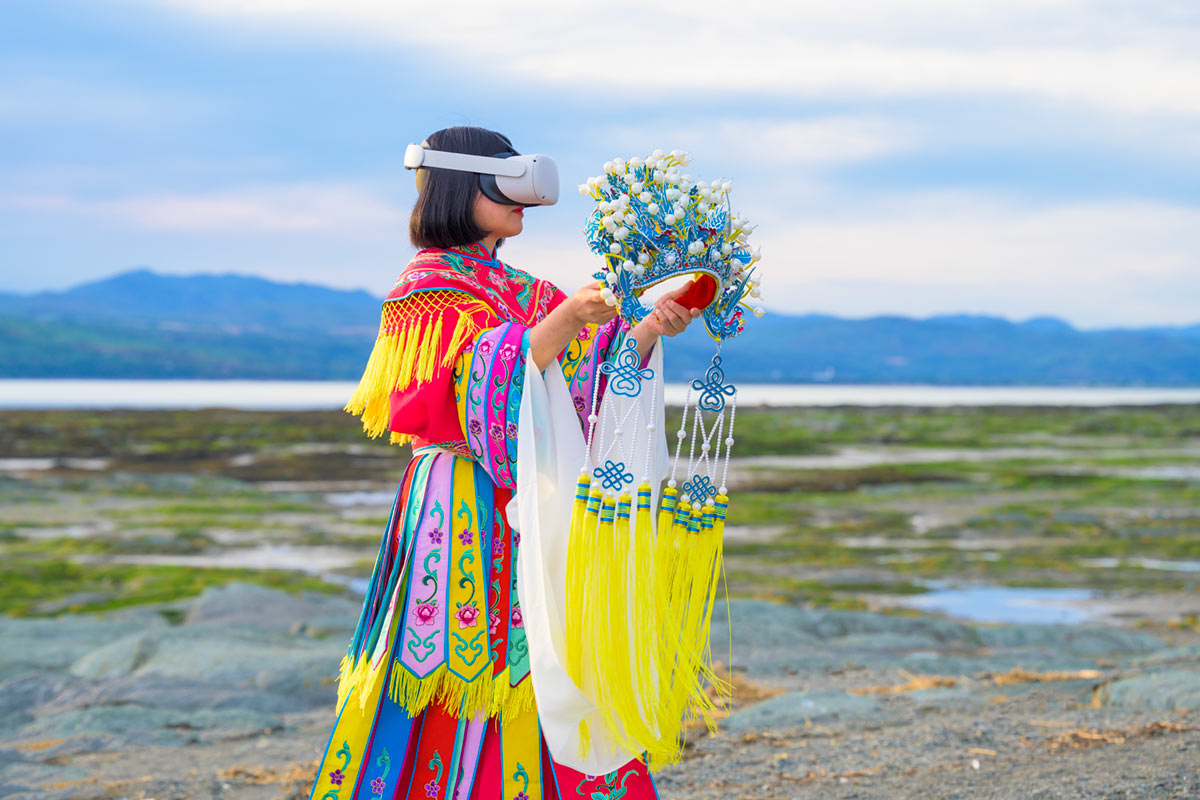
{"x": 670, "y": 318}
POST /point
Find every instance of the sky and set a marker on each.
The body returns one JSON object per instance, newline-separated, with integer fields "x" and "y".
{"x": 1013, "y": 157}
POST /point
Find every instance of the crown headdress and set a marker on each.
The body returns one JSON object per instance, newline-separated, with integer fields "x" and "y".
{"x": 653, "y": 223}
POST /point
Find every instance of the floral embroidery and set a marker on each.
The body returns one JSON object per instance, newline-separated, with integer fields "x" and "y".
{"x": 475, "y": 427}
{"x": 517, "y": 538}
{"x": 485, "y": 347}
{"x": 498, "y": 546}
{"x": 431, "y": 789}
{"x": 511, "y": 430}
{"x": 377, "y": 785}
{"x": 496, "y": 430}
{"x": 467, "y": 615}
{"x": 578, "y": 401}
{"x": 493, "y": 623}
{"x": 336, "y": 777}
{"x": 518, "y": 619}
{"x": 435, "y": 536}
{"x": 426, "y": 613}
{"x": 466, "y": 537}
{"x": 508, "y": 351}
{"x": 521, "y": 796}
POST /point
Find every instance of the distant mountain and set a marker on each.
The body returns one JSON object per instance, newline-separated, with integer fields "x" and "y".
{"x": 143, "y": 325}
{"x": 209, "y": 302}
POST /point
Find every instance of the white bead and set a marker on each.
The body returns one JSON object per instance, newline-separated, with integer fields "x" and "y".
{"x": 614, "y": 248}
{"x": 611, "y": 279}
{"x": 619, "y": 432}
{"x": 671, "y": 483}
{"x": 669, "y": 219}
{"x": 635, "y": 162}
{"x": 644, "y": 258}
{"x": 608, "y": 166}
{"x": 729, "y": 441}
{"x": 652, "y": 427}
{"x": 681, "y": 434}
{"x": 705, "y": 447}
{"x": 652, "y": 208}
{"x": 723, "y": 490}
{"x": 646, "y": 197}
{"x": 627, "y": 264}
{"x": 758, "y": 312}
{"x": 683, "y": 498}
{"x": 635, "y": 187}
{"x": 695, "y": 506}
{"x": 593, "y": 418}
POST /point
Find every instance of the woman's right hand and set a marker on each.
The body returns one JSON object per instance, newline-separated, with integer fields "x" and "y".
{"x": 589, "y": 307}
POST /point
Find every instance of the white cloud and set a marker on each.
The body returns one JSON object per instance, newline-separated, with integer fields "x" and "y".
{"x": 302, "y": 207}
{"x": 816, "y": 142}
{"x": 1121, "y": 57}
{"x": 1092, "y": 263}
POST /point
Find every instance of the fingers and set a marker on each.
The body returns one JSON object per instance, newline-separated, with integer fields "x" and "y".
{"x": 673, "y": 318}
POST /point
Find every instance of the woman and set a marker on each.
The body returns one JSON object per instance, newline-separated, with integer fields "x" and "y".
{"x": 435, "y": 698}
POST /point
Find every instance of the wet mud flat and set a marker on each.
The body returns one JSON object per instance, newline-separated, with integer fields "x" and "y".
{"x": 232, "y": 696}
{"x": 926, "y": 603}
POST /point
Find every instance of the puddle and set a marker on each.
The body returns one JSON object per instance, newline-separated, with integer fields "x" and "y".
{"x": 365, "y": 498}
{"x": 44, "y": 464}
{"x": 1010, "y": 604}
{"x": 1144, "y": 563}
{"x": 313, "y": 560}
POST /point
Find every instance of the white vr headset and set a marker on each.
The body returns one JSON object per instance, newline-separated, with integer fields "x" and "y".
{"x": 511, "y": 179}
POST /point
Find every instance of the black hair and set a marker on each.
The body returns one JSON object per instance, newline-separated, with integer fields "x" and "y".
{"x": 444, "y": 214}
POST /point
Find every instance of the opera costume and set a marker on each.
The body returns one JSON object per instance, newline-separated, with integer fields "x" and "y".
{"x": 435, "y": 698}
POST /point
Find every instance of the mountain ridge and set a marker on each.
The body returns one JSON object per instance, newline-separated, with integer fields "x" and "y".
{"x": 144, "y": 324}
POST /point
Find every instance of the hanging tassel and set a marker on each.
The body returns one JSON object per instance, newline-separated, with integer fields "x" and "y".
{"x": 408, "y": 351}
{"x": 579, "y": 560}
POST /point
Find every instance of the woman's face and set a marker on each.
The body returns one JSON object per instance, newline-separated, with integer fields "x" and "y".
{"x": 498, "y": 220}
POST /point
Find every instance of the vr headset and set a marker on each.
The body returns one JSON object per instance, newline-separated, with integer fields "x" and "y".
{"x": 508, "y": 178}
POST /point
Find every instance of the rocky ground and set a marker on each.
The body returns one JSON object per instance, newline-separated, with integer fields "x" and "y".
{"x": 231, "y": 695}
{"x": 177, "y": 591}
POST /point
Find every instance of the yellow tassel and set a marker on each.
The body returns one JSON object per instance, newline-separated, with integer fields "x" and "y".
{"x": 489, "y": 695}
{"x": 579, "y": 556}
{"x": 408, "y": 352}
{"x": 344, "y": 680}
{"x": 464, "y": 329}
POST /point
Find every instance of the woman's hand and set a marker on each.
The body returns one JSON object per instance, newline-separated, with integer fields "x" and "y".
{"x": 669, "y": 318}
{"x": 548, "y": 338}
{"x": 589, "y": 307}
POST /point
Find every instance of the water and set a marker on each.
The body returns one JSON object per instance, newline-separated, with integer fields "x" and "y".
{"x": 303, "y": 395}
{"x": 1164, "y": 564}
{"x": 1009, "y": 604}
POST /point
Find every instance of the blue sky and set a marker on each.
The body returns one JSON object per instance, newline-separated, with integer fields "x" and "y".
{"x": 1018, "y": 158}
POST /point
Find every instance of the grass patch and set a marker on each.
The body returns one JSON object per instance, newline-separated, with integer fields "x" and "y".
{"x": 26, "y": 585}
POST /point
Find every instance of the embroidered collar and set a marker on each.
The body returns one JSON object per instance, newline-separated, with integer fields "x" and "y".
{"x": 475, "y": 251}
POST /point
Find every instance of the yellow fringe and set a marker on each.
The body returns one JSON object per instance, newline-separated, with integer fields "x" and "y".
{"x": 639, "y": 616}
{"x": 406, "y": 354}
{"x": 579, "y": 550}
{"x": 491, "y": 696}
